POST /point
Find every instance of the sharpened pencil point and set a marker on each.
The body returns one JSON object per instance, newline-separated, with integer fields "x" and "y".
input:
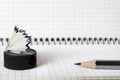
{"x": 77, "y": 63}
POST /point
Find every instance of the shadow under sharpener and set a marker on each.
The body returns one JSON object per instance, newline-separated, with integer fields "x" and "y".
{"x": 20, "y": 61}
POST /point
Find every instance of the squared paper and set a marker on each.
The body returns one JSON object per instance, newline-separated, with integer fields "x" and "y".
{"x": 57, "y": 62}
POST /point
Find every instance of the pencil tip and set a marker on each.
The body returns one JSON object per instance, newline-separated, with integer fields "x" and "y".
{"x": 77, "y": 63}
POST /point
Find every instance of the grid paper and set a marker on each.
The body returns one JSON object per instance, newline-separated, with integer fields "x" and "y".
{"x": 57, "y": 63}
{"x": 60, "y": 17}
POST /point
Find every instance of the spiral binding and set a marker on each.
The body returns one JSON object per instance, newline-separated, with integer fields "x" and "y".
{"x": 69, "y": 41}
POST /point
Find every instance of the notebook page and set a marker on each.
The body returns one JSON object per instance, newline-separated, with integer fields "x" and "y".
{"x": 63, "y": 17}
{"x": 57, "y": 62}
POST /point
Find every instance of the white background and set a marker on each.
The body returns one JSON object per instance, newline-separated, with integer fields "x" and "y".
{"x": 60, "y": 17}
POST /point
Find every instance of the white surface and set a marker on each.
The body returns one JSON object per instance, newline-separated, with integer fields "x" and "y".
{"x": 61, "y": 17}
{"x": 57, "y": 63}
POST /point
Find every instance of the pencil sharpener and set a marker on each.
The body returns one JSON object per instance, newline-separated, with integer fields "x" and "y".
{"x": 21, "y": 61}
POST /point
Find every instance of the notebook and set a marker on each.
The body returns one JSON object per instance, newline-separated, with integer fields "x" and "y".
{"x": 63, "y": 32}
{"x": 56, "y": 62}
